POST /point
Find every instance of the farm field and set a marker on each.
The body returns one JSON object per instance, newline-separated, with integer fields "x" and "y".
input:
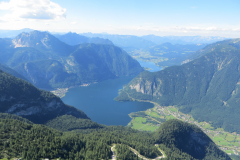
{"x": 151, "y": 119}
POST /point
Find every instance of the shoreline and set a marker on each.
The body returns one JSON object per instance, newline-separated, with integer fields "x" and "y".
{"x": 61, "y": 92}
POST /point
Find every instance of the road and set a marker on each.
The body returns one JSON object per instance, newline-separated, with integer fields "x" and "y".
{"x": 136, "y": 152}
{"x": 113, "y": 155}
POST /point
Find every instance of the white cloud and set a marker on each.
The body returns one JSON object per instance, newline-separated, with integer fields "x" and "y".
{"x": 32, "y": 9}
{"x": 74, "y": 22}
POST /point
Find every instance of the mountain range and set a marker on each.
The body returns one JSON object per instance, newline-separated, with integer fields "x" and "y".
{"x": 183, "y": 39}
{"x": 49, "y": 63}
{"x": 75, "y": 39}
{"x": 207, "y": 87}
{"x": 153, "y": 38}
{"x": 127, "y": 42}
{"x": 150, "y": 40}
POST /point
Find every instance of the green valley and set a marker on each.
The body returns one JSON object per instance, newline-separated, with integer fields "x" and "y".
{"x": 151, "y": 119}
{"x": 167, "y": 54}
{"x": 206, "y": 88}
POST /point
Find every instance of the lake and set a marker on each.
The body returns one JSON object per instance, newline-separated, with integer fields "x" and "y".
{"x": 151, "y": 65}
{"x": 97, "y": 102}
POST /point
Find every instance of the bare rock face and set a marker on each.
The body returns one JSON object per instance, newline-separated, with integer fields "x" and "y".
{"x": 23, "y": 99}
{"x": 148, "y": 87}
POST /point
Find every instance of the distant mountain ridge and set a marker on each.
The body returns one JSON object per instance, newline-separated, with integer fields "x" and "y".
{"x": 75, "y": 39}
{"x": 127, "y": 42}
{"x": 150, "y": 40}
{"x": 183, "y": 39}
{"x": 153, "y": 38}
{"x": 207, "y": 87}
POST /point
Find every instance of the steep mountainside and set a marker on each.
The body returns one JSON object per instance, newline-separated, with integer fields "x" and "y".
{"x": 23, "y": 99}
{"x": 12, "y": 56}
{"x": 49, "y": 63}
{"x": 207, "y": 88}
{"x": 11, "y": 71}
{"x": 189, "y": 139}
{"x": 24, "y": 55}
{"x": 75, "y": 39}
{"x": 47, "y": 74}
{"x": 108, "y": 57}
{"x": 87, "y": 64}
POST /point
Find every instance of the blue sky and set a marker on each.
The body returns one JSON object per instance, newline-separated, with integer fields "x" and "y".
{"x": 132, "y": 17}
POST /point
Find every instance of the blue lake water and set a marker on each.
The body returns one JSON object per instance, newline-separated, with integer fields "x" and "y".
{"x": 150, "y": 65}
{"x": 97, "y": 102}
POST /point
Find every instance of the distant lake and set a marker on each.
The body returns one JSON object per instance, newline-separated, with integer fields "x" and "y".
{"x": 97, "y": 102}
{"x": 150, "y": 65}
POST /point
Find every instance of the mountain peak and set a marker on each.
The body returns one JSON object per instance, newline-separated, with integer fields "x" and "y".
{"x": 42, "y": 41}
{"x": 32, "y": 39}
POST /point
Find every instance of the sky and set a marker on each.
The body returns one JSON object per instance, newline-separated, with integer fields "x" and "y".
{"x": 125, "y": 17}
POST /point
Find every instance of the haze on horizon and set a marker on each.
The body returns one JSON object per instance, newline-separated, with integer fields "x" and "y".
{"x": 135, "y": 17}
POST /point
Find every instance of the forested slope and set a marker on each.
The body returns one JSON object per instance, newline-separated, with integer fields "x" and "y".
{"x": 207, "y": 87}
{"x": 23, "y": 99}
{"x": 31, "y": 141}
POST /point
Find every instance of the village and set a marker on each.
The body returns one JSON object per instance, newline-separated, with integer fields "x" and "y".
{"x": 229, "y": 145}
{"x": 151, "y": 119}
